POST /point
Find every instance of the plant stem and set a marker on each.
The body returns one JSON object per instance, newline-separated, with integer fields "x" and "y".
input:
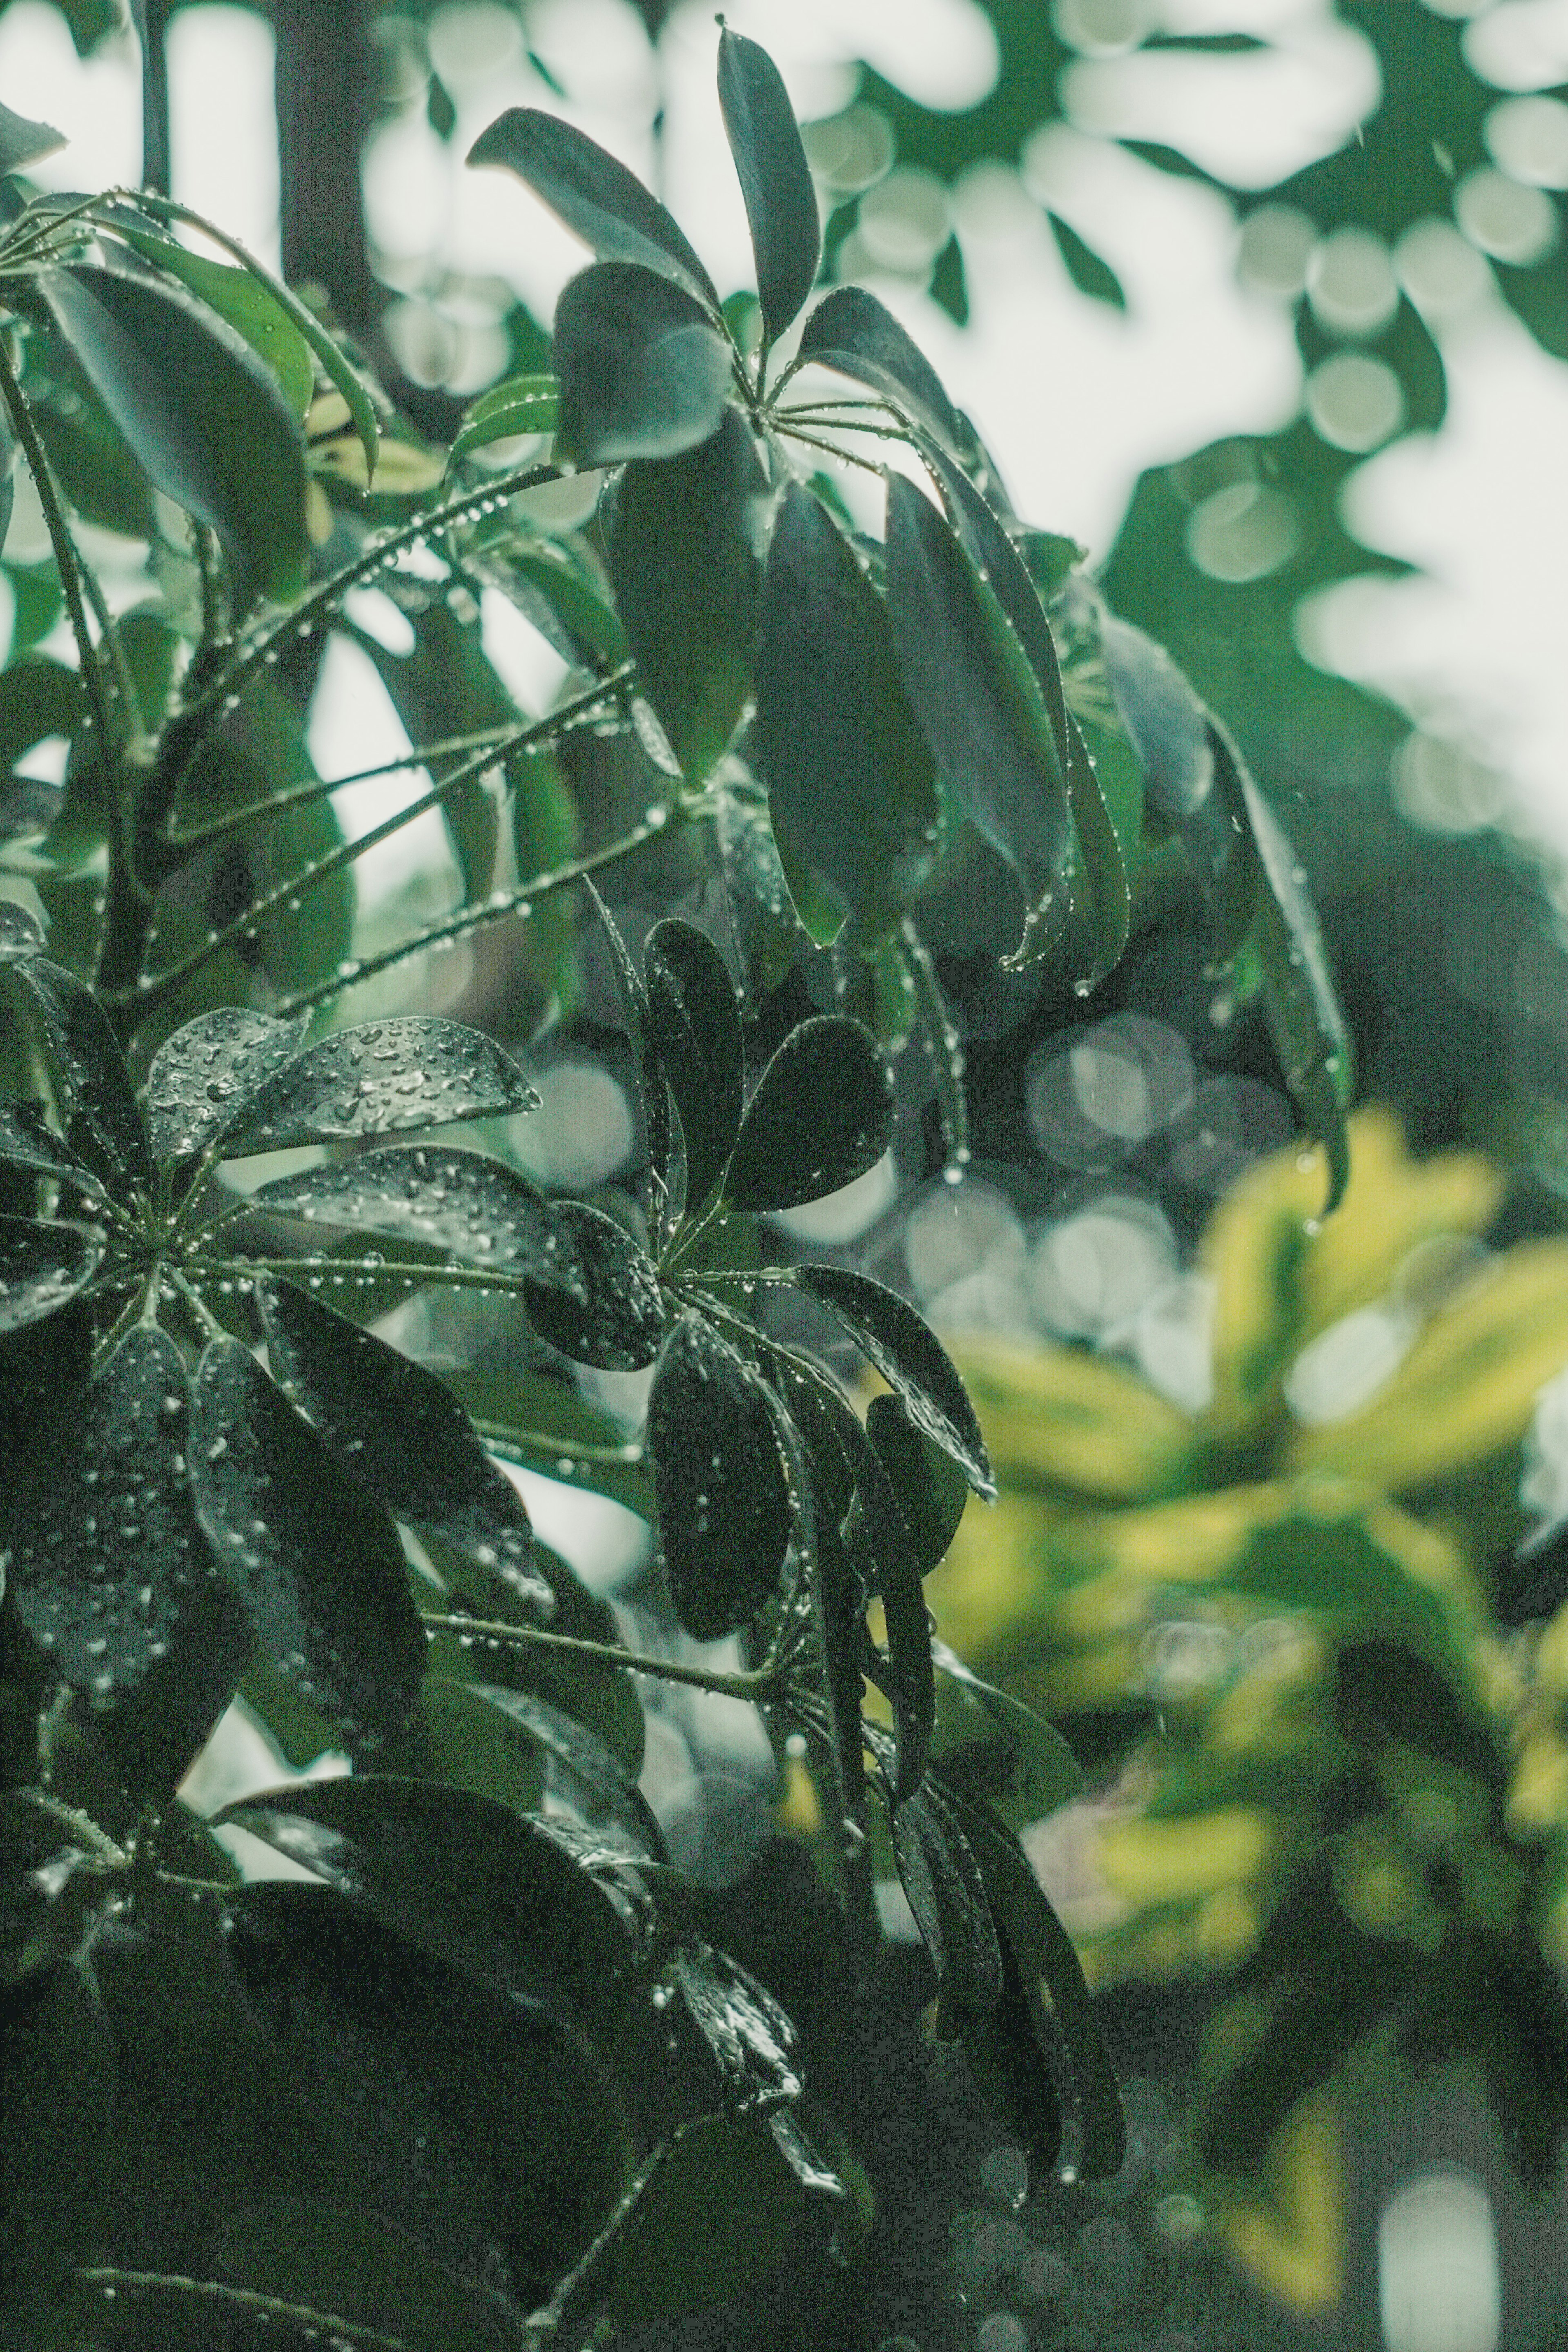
{"x": 81, "y": 1825}
{"x": 758, "y": 1683}
{"x": 271, "y": 2306}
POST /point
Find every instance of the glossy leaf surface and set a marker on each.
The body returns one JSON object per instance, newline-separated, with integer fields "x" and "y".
{"x": 723, "y": 1505}
{"x": 643, "y": 372}
{"x": 380, "y": 1078}
{"x": 103, "y": 1125}
{"x": 19, "y": 933}
{"x": 748, "y": 2036}
{"x": 911, "y": 1359}
{"x": 27, "y": 1141}
{"x": 856, "y": 335}
{"x": 519, "y": 405}
{"x": 42, "y": 1266}
{"x": 774, "y": 176}
{"x": 932, "y": 1490}
{"x": 947, "y": 1895}
{"x": 480, "y": 1211}
{"x": 614, "y": 1317}
{"x": 694, "y": 1021}
{"x": 206, "y": 1077}
{"x": 821, "y": 1115}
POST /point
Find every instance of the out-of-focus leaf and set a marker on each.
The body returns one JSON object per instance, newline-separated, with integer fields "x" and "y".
{"x": 695, "y": 1024}
{"x": 379, "y": 1078}
{"x": 522, "y": 404}
{"x": 206, "y": 1077}
{"x": 104, "y": 1126}
{"x": 856, "y": 335}
{"x": 821, "y": 1115}
{"x": 19, "y": 932}
{"x": 774, "y": 176}
{"x": 910, "y": 1358}
{"x": 23, "y": 144}
{"x": 481, "y": 1210}
{"x": 42, "y": 1266}
{"x": 1089, "y": 271}
{"x": 615, "y": 1315}
{"x": 57, "y": 2090}
{"x": 643, "y": 372}
{"x": 39, "y": 698}
{"x": 723, "y": 1504}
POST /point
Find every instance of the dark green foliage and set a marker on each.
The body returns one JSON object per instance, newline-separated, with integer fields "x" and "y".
{"x": 910, "y": 1358}
{"x": 775, "y": 179}
{"x": 643, "y": 373}
{"x": 616, "y": 1318}
{"x": 694, "y": 1022}
{"x": 821, "y": 1115}
{"x": 723, "y": 1507}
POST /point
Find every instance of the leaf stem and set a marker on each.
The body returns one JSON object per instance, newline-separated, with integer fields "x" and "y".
{"x": 81, "y": 1825}
{"x": 108, "y": 2275}
{"x": 755, "y": 1682}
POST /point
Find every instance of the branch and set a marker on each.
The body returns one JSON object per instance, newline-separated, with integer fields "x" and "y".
{"x": 271, "y": 2306}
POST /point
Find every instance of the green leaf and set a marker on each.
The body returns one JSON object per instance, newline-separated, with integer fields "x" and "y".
{"x": 155, "y": 1733}
{"x": 330, "y": 2254}
{"x": 23, "y": 142}
{"x": 775, "y": 179}
{"x": 882, "y": 1548}
{"x": 821, "y": 1115}
{"x": 19, "y": 932}
{"x": 41, "y": 1360}
{"x": 819, "y": 1489}
{"x": 380, "y": 1078}
{"x": 643, "y": 373}
{"x": 932, "y": 1490}
{"x": 947, "y": 1895}
{"x": 694, "y": 1021}
{"x": 856, "y": 335}
{"x": 105, "y": 1554}
{"x": 246, "y": 302}
{"x": 851, "y": 793}
{"x": 1163, "y": 718}
{"x": 1044, "y": 1766}
{"x": 488, "y": 2129}
{"x": 723, "y": 1502}
{"x": 57, "y": 2093}
{"x": 400, "y": 1433}
{"x": 205, "y": 1078}
{"x": 748, "y": 2036}
{"x": 616, "y": 1319}
{"x": 476, "y": 1209}
{"x": 975, "y": 696}
{"x": 42, "y": 1267}
{"x": 202, "y": 416}
{"x": 597, "y": 1780}
{"x": 599, "y": 200}
{"x": 521, "y": 404}
{"x": 541, "y": 1423}
{"x": 1090, "y": 272}
{"x": 910, "y": 1358}
{"x": 39, "y": 698}
{"x": 686, "y": 560}
{"x": 27, "y": 1141}
{"x": 653, "y": 1097}
{"x": 317, "y": 1565}
{"x": 104, "y": 1126}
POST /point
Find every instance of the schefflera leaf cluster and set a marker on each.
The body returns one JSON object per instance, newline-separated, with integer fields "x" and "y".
{"x": 884, "y": 692}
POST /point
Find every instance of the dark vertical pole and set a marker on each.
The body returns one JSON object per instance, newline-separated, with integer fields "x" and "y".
{"x": 323, "y": 84}
{"x": 151, "y": 18}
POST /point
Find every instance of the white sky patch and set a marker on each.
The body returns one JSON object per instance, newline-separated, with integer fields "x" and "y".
{"x": 353, "y": 726}
{"x": 225, "y": 151}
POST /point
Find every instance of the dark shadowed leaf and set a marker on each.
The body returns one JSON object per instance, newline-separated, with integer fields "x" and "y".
{"x": 947, "y": 1895}
{"x": 933, "y": 1491}
{"x": 748, "y": 2036}
{"x": 245, "y": 300}
{"x": 1007, "y": 2062}
{"x": 598, "y": 1780}
{"x": 523, "y": 403}
{"x": 484, "y": 2126}
{"x": 643, "y": 373}
{"x": 652, "y": 1095}
{"x": 19, "y": 932}
{"x": 855, "y": 335}
{"x": 480, "y": 1211}
{"x": 27, "y": 1141}
{"x": 694, "y": 1021}
{"x": 57, "y": 2093}
{"x": 104, "y": 1126}
{"x": 723, "y": 1502}
{"x": 42, "y": 1361}
{"x": 1044, "y": 1764}
{"x": 201, "y": 414}
{"x": 24, "y": 143}
{"x": 821, "y": 1115}
{"x": 106, "y": 1556}
{"x": 42, "y": 1266}
{"x": 543, "y": 1424}
{"x": 599, "y": 200}
{"x": 400, "y": 1433}
{"x": 1090, "y": 272}
{"x": 318, "y": 1566}
{"x": 850, "y": 788}
{"x": 686, "y": 560}
{"x": 206, "y": 1077}
{"x": 818, "y": 1496}
{"x": 775, "y": 179}
{"x": 885, "y": 1560}
{"x": 379, "y": 1078}
{"x": 910, "y": 1358}
{"x": 616, "y": 1318}
{"x": 155, "y": 1734}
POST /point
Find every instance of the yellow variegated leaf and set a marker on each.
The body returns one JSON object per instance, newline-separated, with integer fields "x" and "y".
{"x": 1468, "y": 1387}
{"x": 1148, "y": 1862}
{"x": 994, "y": 1580}
{"x": 1538, "y": 1788}
{"x": 1294, "y": 2246}
{"x": 1059, "y": 1417}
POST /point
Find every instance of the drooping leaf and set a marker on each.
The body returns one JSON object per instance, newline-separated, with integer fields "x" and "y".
{"x": 206, "y": 1077}
{"x": 856, "y": 335}
{"x": 400, "y": 1433}
{"x": 723, "y": 1504}
{"x": 932, "y": 1490}
{"x": 643, "y": 372}
{"x": 910, "y": 1358}
{"x": 821, "y": 1115}
{"x": 246, "y": 302}
{"x": 43, "y": 1265}
{"x": 749, "y": 2037}
{"x": 104, "y": 1126}
{"x": 694, "y": 1021}
{"x": 775, "y": 179}
{"x": 202, "y": 417}
{"x": 481, "y": 1210}
{"x": 851, "y": 790}
{"x": 519, "y": 405}
{"x": 105, "y": 1554}
{"x": 318, "y": 1566}
{"x": 979, "y": 705}
{"x": 380, "y": 1078}
{"x": 598, "y": 1779}
{"x": 947, "y": 1895}
{"x": 652, "y": 1094}
{"x": 818, "y": 1497}
{"x": 614, "y": 1319}
{"x": 599, "y": 200}
{"x": 883, "y": 1552}
{"x": 27, "y": 1141}
{"x": 23, "y": 144}
{"x": 57, "y": 2093}
{"x": 686, "y": 560}
{"x": 1044, "y": 1762}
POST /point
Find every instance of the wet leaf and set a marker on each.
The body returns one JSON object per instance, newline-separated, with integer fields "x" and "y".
{"x": 598, "y": 1779}
{"x": 723, "y": 1504}
{"x": 206, "y": 1077}
{"x": 947, "y": 1895}
{"x": 382, "y": 1078}
{"x": 694, "y": 1021}
{"x": 819, "y": 1490}
{"x": 105, "y": 1555}
{"x": 686, "y": 560}
{"x": 24, "y": 143}
{"x": 478, "y": 1209}
{"x": 19, "y": 933}
{"x": 933, "y": 1491}
{"x": 1044, "y": 1761}
{"x": 883, "y": 1553}
{"x": 821, "y": 1115}
{"x": 401, "y": 1433}
{"x": 643, "y": 372}
{"x": 652, "y": 1095}
{"x": 104, "y": 1126}
{"x": 57, "y": 2093}
{"x": 856, "y": 335}
{"x": 749, "y": 2037}
{"x": 851, "y": 793}
{"x": 910, "y": 1358}
{"x": 317, "y": 1565}
{"x": 775, "y": 179}
{"x": 42, "y": 1265}
{"x": 27, "y": 1141}
{"x": 519, "y": 405}
{"x": 246, "y": 302}
{"x": 599, "y": 200}
{"x": 615, "y": 1318}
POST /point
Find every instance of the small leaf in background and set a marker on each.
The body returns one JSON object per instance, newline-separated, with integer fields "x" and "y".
{"x": 206, "y": 1077}
{"x": 24, "y": 143}
{"x": 686, "y": 560}
{"x": 614, "y": 1319}
{"x": 379, "y": 1078}
{"x": 401, "y": 1434}
{"x": 318, "y": 1566}
{"x": 855, "y": 335}
{"x": 42, "y": 1267}
{"x": 521, "y": 405}
{"x": 19, "y": 931}
{"x": 599, "y": 200}
{"x": 749, "y": 2038}
{"x": 478, "y": 1209}
{"x": 694, "y": 1021}
{"x": 910, "y": 1358}
{"x": 57, "y": 2093}
{"x": 723, "y": 1502}
{"x": 103, "y": 1125}
{"x": 1089, "y": 273}
{"x": 851, "y": 790}
{"x": 643, "y": 372}
{"x": 932, "y": 1490}
{"x": 105, "y": 1554}
{"x": 200, "y": 413}
{"x": 821, "y": 1115}
{"x": 775, "y": 179}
